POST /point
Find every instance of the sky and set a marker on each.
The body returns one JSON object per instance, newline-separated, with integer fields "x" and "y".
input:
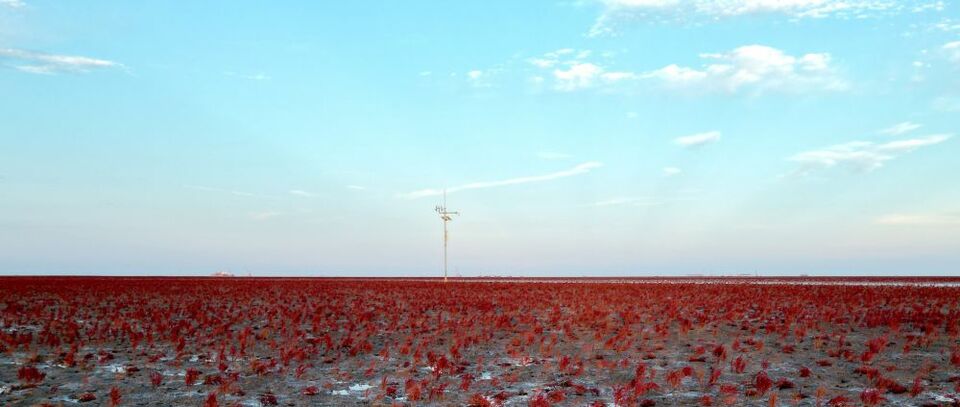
{"x": 576, "y": 138}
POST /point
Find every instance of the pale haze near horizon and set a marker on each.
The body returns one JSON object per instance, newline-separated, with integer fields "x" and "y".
{"x": 591, "y": 138}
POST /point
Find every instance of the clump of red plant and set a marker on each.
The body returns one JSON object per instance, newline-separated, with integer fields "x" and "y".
{"x": 30, "y": 374}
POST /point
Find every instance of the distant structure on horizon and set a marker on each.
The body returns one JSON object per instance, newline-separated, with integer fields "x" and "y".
{"x": 447, "y": 217}
{"x": 222, "y": 274}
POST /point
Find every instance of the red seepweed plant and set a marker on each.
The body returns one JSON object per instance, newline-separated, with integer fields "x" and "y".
{"x": 485, "y": 338}
{"x": 30, "y": 374}
{"x": 114, "y": 397}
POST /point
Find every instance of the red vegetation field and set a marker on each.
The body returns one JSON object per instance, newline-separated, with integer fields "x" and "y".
{"x": 248, "y": 341}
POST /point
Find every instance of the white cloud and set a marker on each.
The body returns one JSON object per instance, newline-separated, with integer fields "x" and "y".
{"x": 611, "y": 77}
{"x": 577, "y": 170}
{"x": 919, "y": 219}
{"x": 571, "y": 71}
{"x": 12, "y": 3}
{"x": 861, "y": 156}
{"x": 671, "y": 171}
{"x": 947, "y": 25}
{"x": 577, "y": 76}
{"x": 674, "y": 73}
{"x": 903, "y": 146}
{"x": 480, "y": 78}
{"x": 356, "y": 187}
{"x": 643, "y": 3}
{"x": 615, "y": 12}
{"x": 587, "y": 75}
{"x": 552, "y": 155}
{"x": 952, "y": 51}
{"x": 794, "y": 8}
{"x": 699, "y": 139}
{"x": 900, "y": 128}
{"x": 543, "y": 62}
{"x": 41, "y": 63}
{"x": 563, "y": 56}
{"x": 753, "y": 67}
{"x": 938, "y": 5}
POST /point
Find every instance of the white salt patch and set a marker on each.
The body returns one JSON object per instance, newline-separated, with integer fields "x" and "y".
{"x": 339, "y": 392}
{"x": 360, "y": 387}
{"x": 112, "y": 368}
{"x": 943, "y": 399}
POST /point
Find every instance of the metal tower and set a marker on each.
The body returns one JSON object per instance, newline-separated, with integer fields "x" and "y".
{"x": 446, "y": 216}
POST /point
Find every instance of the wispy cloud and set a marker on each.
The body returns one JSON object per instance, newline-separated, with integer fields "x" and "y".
{"x": 861, "y": 156}
{"x": 900, "y": 128}
{"x": 482, "y": 78}
{"x": 671, "y": 171}
{"x": 356, "y": 187}
{"x": 12, "y": 3}
{"x": 699, "y": 139}
{"x": 952, "y": 51}
{"x": 904, "y": 146}
{"x": 560, "y": 57}
{"x": 754, "y": 68}
{"x": 585, "y": 75}
{"x": 920, "y": 219}
{"x": 570, "y": 70}
{"x": 42, "y": 63}
{"x": 946, "y": 25}
{"x": 577, "y": 170}
{"x": 617, "y": 12}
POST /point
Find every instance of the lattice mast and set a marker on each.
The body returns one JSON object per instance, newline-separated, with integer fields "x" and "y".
{"x": 446, "y": 216}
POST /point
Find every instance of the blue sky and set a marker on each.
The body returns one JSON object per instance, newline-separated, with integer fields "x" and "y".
{"x": 618, "y": 137}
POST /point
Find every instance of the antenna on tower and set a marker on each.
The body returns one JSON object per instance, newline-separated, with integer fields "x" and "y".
{"x": 446, "y": 216}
